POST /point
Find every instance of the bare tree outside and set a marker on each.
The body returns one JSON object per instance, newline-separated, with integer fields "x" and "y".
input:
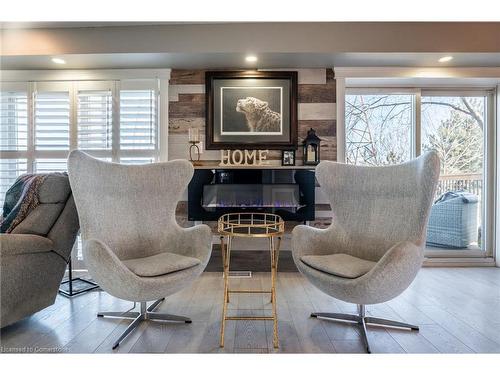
{"x": 453, "y": 126}
{"x": 379, "y": 128}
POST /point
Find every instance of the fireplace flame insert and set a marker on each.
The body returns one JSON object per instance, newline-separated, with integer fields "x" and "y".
{"x": 286, "y": 192}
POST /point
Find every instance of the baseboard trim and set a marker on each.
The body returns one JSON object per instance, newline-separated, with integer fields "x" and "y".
{"x": 460, "y": 262}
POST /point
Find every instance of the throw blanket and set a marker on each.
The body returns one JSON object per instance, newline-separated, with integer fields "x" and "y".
{"x": 20, "y": 200}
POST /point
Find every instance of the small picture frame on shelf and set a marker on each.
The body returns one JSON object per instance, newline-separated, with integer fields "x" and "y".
{"x": 288, "y": 157}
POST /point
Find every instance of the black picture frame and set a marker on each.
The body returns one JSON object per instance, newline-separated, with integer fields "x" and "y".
{"x": 228, "y": 128}
{"x": 288, "y": 157}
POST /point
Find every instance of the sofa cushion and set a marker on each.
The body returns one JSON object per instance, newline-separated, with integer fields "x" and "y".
{"x": 160, "y": 264}
{"x": 342, "y": 265}
{"x": 17, "y": 244}
{"x": 40, "y": 220}
{"x": 55, "y": 189}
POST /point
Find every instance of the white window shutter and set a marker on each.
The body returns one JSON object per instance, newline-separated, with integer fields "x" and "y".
{"x": 94, "y": 115}
{"x": 138, "y": 117}
{"x": 13, "y": 119}
{"x": 10, "y": 169}
{"x": 52, "y": 120}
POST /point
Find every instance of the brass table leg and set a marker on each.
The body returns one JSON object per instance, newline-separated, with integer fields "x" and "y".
{"x": 274, "y": 250}
{"x": 225, "y": 265}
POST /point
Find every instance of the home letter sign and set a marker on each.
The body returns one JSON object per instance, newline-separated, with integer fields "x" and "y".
{"x": 246, "y": 157}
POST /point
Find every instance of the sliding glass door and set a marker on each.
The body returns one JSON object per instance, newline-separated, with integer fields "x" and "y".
{"x": 453, "y": 125}
{"x": 390, "y": 126}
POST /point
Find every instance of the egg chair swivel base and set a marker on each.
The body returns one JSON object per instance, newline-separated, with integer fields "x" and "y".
{"x": 362, "y": 321}
{"x": 145, "y": 313}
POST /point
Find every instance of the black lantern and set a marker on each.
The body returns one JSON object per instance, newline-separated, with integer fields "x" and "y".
{"x": 311, "y": 148}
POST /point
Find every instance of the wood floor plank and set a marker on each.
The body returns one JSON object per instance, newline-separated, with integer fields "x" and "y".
{"x": 443, "y": 340}
{"x": 454, "y": 308}
{"x": 412, "y": 342}
{"x": 28, "y": 330}
{"x": 97, "y": 331}
{"x": 461, "y": 330}
{"x": 187, "y": 338}
{"x": 251, "y": 334}
{"x": 156, "y": 334}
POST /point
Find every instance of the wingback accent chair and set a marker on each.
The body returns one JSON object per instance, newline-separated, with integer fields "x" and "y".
{"x": 374, "y": 247}
{"x": 33, "y": 257}
{"x": 132, "y": 244}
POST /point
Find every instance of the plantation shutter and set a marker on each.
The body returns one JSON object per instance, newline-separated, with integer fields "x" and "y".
{"x": 52, "y": 116}
{"x": 10, "y": 169}
{"x": 14, "y": 117}
{"x": 138, "y": 115}
{"x": 95, "y": 115}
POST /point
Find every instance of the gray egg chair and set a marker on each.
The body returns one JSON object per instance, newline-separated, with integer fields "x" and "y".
{"x": 374, "y": 247}
{"x": 132, "y": 244}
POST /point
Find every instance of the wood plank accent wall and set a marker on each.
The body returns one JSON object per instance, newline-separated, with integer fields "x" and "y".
{"x": 316, "y": 109}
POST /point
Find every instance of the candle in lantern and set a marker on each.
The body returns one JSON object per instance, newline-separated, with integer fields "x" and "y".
{"x": 194, "y": 135}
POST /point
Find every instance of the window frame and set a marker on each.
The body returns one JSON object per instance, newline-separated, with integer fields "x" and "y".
{"x": 115, "y": 79}
{"x": 459, "y": 82}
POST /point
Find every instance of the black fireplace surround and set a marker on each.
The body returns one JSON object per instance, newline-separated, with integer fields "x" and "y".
{"x": 285, "y": 192}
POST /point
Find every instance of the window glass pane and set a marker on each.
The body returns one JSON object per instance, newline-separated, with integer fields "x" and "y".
{"x": 454, "y": 127}
{"x": 138, "y": 125}
{"x": 94, "y": 119}
{"x": 52, "y": 120}
{"x": 10, "y": 169}
{"x": 378, "y": 128}
{"x": 13, "y": 121}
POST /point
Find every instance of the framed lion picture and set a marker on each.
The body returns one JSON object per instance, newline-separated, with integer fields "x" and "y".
{"x": 251, "y": 110}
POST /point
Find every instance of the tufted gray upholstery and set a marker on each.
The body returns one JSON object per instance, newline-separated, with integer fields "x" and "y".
{"x": 380, "y": 214}
{"x": 127, "y": 213}
{"x": 33, "y": 257}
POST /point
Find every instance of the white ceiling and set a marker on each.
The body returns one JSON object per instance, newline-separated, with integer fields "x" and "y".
{"x": 237, "y": 60}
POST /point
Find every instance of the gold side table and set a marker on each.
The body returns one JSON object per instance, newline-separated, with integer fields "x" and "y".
{"x": 257, "y": 225}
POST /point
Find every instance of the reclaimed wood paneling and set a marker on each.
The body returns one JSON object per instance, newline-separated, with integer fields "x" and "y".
{"x": 317, "y": 93}
{"x": 328, "y": 148}
{"x": 183, "y": 109}
{"x": 181, "y": 125}
{"x": 175, "y": 90}
{"x": 322, "y": 127}
{"x": 317, "y": 111}
{"x": 187, "y": 77}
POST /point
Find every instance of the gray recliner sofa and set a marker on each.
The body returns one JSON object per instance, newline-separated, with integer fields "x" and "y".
{"x": 33, "y": 257}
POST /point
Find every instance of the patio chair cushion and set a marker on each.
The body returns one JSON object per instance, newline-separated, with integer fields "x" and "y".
{"x": 160, "y": 264}
{"x": 342, "y": 265}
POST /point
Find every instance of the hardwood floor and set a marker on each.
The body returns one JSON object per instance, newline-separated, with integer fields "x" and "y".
{"x": 456, "y": 309}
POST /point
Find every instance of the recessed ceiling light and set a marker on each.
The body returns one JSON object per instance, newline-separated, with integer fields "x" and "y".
{"x": 58, "y": 60}
{"x": 251, "y": 58}
{"x": 445, "y": 59}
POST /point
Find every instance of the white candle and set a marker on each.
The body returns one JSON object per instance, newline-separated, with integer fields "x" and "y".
{"x": 194, "y": 135}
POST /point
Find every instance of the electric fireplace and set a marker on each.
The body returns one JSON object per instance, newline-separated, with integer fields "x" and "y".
{"x": 285, "y": 192}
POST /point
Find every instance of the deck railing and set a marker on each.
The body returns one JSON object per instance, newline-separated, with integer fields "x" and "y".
{"x": 473, "y": 183}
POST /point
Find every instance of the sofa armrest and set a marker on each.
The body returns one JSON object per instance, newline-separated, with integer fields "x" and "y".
{"x": 17, "y": 244}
